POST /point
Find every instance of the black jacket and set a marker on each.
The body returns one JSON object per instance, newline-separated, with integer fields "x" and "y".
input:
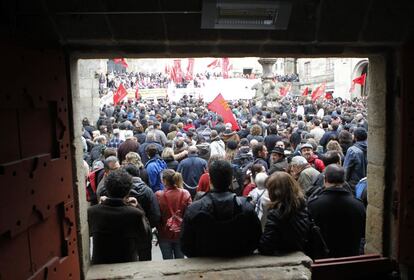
{"x": 341, "y": 218}
{"x": 147, "y": 199}
{"x": 285, "y": 234}
{"x": 171, "y": 163}
{"x": 220, "y": 225}
{"x": 120, "y": 233}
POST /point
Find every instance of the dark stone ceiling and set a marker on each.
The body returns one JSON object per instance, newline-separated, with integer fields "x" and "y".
{"x": 172, "y": 28}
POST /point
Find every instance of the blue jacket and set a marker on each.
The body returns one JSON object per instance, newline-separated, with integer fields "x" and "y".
{"x": 355, "y": 163}
{"x": 191, "y": 169}
{"x": 154, "y": 168}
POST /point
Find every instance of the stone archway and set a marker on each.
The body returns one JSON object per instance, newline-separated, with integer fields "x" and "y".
{"x": 360, "y": 68}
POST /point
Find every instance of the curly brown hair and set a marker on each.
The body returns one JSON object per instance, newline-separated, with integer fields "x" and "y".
{"x": 256, "y": 130}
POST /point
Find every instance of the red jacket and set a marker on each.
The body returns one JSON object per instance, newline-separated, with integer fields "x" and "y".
{"x": 204, "y": 183}
{"x": 173, "y": 196}
{"x": 248, "y": 189}
{"x": 188, "y": 126}
{"x": 317, "y": 163}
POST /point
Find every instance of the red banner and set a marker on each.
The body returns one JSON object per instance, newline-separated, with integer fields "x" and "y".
{"x": 318, "y": 92}
{"x": 177, "y": 72}
{"x": 190, "y": 69}
{"x": 220, "y": 106}
{"x": 121, "y": 61}
{"x": 120, "y": 94}
{"x": 305, "y": 92}
{"x": 225, "y": 67}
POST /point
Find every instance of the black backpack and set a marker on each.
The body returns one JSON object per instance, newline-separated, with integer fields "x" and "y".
{"x": 240, "y": 166}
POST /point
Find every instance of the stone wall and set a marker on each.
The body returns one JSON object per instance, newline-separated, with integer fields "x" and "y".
{"x": 376, "y": 154}
{"x": 288, "y": 267}
{"x": 79, "y": 99}
{"x": 88, "y": 86}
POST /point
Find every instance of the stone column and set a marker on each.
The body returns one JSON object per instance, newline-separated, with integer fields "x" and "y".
{"x": 267, "y": 65}
{"x": 376, "y": 154}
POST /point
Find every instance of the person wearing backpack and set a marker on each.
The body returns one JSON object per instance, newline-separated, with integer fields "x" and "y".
{"x": 173, "y": 201}
{"x": 220, "y": 224}
{"x": 257, "y": 196}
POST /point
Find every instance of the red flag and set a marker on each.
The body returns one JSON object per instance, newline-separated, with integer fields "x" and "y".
{"x": 328, "y": 95}
{"x": 220, "y": 106}
{"x": 358, "y": 80}
{"x": 190, "y": 69}
{"x": 214, "y": 64}
{"x": 121, "y": 61}
{"x": 120, "y": 94}
{"x": 167, "y": 69}
{"x": 318, "y": 92}
{"x": 178, "y": 73}
{"x": 305, "y": 92}
{"x": 285, "y": 90}
{"x": 225, "y": 67}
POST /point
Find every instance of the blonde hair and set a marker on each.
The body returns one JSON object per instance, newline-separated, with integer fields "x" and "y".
{"x": 172, "y": 178}
{"x": 334, "y": 145}
{"x": 285, "y": 193}
{"x": 133, "y": 158}
{"x": 230, "y": 154}
{"x": 167, "y": 153}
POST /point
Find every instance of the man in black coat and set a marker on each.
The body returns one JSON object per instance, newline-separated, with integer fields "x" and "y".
{"x": 120, "y": 231}
{"x": 260, "y": 155}
{"x": 144, "y": 195}
{"x": 340, "y": 216}
{"x": 220, "y": 224}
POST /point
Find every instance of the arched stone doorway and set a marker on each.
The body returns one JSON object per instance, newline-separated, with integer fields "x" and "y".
{"x": 360, "y": 68}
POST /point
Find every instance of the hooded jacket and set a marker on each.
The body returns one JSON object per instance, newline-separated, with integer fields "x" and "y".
{"x": 355, "y": 163}
{"x": 154, "y": 168}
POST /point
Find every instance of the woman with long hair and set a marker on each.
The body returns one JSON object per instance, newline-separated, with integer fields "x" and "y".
{"x": 173, "y": 201}
{"x": 288, "y": 224}
{"x": 134, "y": 159}
{"x": 168, "y": 156}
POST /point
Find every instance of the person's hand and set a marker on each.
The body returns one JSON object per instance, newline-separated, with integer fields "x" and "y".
{"x": 102, "y": 199}
{"x": 132, "y": 201}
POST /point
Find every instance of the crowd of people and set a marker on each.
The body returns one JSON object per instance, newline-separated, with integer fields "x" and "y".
{"x": 292, "y": 178}
{"x": 112, "y": 80}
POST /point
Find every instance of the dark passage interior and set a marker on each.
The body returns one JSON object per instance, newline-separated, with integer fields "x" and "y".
{"x": 42, "y": 41}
